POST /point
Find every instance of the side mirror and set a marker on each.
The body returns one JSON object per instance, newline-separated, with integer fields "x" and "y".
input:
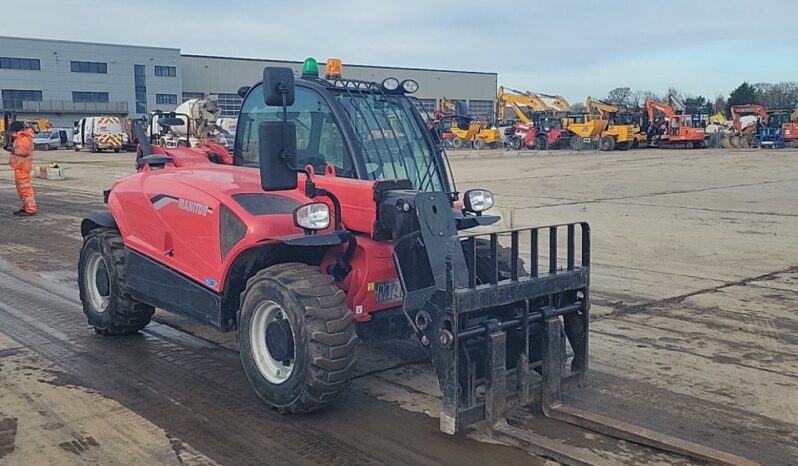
{"x": 278, "y": 83}
{"x": 242, "y": 91}
{"x": 277, "y": 149}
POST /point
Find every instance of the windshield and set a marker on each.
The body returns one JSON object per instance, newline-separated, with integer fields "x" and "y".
{"x": 387, "y": 132}
{"x": 391, "y": 138}
{"x": 43, "y": 135}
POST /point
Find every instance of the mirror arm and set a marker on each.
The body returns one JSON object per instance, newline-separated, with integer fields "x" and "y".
{"x": 312, "y": 191}
{"x": 285, "y": 154}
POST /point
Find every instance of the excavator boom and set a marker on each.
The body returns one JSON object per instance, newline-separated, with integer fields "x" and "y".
{"x": 514, "y": 99}
{"x": 557, "y": 101}
{"x": 652, "y": 107}
{"x": 738, "y": 111}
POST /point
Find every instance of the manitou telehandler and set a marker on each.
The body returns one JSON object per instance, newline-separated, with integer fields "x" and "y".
{"x": 336, "y": 219}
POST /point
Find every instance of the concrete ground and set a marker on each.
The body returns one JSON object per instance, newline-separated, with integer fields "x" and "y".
{"x": 694, "y": 288}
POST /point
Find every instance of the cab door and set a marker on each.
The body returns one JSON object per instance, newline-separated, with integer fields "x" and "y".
{"x": 675, "y": 127}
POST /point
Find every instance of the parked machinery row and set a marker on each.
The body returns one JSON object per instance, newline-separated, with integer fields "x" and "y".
{"x": 539, "y": 121}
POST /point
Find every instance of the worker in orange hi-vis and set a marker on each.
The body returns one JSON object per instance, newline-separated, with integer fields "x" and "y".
{"x": 21, "y": 161}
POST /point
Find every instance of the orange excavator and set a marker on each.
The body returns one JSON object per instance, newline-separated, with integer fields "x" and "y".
{"x": 738, "y": 111}
{"x": 775, "y": 128}
{"x": 789, "y": 129}
{"x": 675, "y": 131}
{"x": 744, "y": 130}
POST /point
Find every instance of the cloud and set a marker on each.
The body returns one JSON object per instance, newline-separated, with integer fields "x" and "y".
{"x": 572, "y": 48}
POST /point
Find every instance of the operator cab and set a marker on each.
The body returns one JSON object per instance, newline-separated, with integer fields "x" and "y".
{"x": 348, "y": 128}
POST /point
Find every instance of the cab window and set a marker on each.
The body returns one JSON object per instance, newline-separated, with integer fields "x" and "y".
{"x": 319, "y": 139}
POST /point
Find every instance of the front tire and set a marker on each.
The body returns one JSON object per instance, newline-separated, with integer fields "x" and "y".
{"x": 101, "y": 280}
{"x": 541, "y": 143}
{"x": 297, "y": 337}
{"x": 607, "y": 143}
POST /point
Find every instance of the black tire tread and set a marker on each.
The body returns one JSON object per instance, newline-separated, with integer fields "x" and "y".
{"x": 330, "y": 330}
{"x": 130, "y": 316}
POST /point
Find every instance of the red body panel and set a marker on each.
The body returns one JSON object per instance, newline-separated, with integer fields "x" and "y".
{"x": 789, "y": 131}
{"x": 172, "y": 215}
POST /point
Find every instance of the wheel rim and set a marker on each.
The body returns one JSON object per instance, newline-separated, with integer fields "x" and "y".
{"x": 98, "y": 282}
{"x": 266, "y": 319}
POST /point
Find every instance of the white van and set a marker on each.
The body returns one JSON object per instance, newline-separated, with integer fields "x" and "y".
{"x": 99, "y": 133}
{"x": 54, "y": 138}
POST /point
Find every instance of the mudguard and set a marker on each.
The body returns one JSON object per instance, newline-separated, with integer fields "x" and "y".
{"x": 100, "y": 218}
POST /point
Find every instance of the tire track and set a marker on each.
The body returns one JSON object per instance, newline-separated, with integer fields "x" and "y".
{"x": 197, "y": 392}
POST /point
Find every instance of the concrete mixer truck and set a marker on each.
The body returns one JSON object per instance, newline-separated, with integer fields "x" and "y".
{"x": 200, "y": 124}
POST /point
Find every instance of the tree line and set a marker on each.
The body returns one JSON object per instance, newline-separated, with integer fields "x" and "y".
{"x": 779, "y": 96}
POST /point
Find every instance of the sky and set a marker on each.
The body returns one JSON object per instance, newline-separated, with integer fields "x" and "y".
{"x": 574, "y": 48}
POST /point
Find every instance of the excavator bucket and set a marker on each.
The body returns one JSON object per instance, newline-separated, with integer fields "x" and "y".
{"x": 485, "y": 321}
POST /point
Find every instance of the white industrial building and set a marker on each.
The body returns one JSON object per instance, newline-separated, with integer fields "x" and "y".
{"x": 64, "y": 80}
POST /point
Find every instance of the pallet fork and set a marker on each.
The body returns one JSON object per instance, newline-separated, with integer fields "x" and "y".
{"x": 496, "y": 335}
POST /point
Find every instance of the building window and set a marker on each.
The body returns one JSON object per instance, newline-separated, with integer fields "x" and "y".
{"x": 80, "y": 96}
{"x": 89, "y": 67}
{"x": 481, "y": 107}
{"x": 8, "y": 63}
{"x": 193, "y": 95}
{"x": 165, "y": 71}
{"x": 166, "y": 99}
{"x": 140, "y": 83}
{"x": 425, "y": 105}
{"x": 13, "y": 98}
{"x": 230, "y": 104}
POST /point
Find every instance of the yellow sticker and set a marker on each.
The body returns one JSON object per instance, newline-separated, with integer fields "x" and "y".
{"x": 371, "y": 286}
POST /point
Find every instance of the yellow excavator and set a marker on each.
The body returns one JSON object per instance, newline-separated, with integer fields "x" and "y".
{"x": 549, "y": 124}
{"x": 620, "y": 135}
{"x": 557, "y": 101}
{"x": 515, "y": 99}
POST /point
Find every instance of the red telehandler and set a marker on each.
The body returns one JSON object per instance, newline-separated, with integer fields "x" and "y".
{"x": 678, "y": 131}
{"x": 336, "y": 218}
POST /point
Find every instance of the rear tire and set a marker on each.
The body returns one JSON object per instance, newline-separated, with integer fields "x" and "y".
{"x": 607, "y": 143}
{"x": 101, "y": 280}
{"x": 541, "y": 143}
{"x": 310, "y": 368}
{"x": 479, "y": 143}
{"x": 116, "y": 151}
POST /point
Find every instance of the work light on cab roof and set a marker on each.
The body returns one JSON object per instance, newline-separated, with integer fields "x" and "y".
{"x": 335, "y": 68}
{"x": 310, "y": 67}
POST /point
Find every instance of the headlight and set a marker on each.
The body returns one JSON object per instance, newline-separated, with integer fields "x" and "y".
{"x": 409, "y": 86}
{"x": 390, "y": 84}
{"x": 478, "y": 200}
{"x": 314, "y": 216}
